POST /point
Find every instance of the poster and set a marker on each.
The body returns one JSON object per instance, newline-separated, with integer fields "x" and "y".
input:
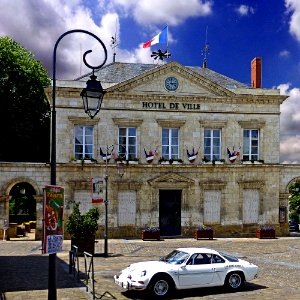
{"x": 97, "y": 190}
{"x": 53, "y": 219}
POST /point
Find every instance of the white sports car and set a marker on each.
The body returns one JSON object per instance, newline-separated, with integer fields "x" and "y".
{"x": 186, "y": 268}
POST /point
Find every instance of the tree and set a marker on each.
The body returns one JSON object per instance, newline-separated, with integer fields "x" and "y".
{"x": 24, "y": 109}
{"x": 294, "y": 201}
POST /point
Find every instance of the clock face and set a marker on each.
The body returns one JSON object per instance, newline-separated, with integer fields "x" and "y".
{"x": 171, "y": 83}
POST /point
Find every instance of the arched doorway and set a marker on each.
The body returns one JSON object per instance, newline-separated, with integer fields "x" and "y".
{"x": 22, "y": 211}
{"x": 294, "y": 204}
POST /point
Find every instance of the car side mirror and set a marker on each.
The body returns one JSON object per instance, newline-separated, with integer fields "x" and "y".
{"x": 183, "y": 266}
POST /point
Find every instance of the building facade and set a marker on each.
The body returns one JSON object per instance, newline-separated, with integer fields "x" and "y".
{"x": 198, "y": 148}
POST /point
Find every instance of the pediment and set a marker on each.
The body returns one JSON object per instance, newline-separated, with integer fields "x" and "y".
{"x": 153, "y": 82}
{"x": 171, "y": 179}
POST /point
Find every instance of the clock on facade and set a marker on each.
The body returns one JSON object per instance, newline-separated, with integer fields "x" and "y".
{"x": 171, "y": 83}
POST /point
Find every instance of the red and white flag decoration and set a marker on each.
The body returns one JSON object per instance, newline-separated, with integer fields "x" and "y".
{"x": 234, "y": 154}
{"x": 107, "y": 155}
{"x": 150, "y": 155}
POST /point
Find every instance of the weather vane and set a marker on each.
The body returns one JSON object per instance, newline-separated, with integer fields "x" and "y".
{"x": 160, "y": 55}
{"x": 114, "y": 44}
{"x": 205, "y": 50}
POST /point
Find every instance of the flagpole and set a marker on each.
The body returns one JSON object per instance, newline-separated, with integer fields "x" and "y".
{"x": 167, "y": 37}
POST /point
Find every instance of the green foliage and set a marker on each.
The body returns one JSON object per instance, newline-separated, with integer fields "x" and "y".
{"x": 294, "y": 201}
{"x": 24, "y": 109}
{"x": 82, "y": 225}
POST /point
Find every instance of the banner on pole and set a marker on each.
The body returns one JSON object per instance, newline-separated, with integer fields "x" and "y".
{"x": 97, "y": 190}
{"x": 53, "y": 232}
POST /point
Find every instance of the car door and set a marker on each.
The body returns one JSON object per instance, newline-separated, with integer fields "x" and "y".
{"x": 218, "y": 266}
{"x": 197, "y": 272}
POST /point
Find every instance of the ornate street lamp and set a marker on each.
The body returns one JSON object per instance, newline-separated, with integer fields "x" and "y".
{"x": 91, "y": 93}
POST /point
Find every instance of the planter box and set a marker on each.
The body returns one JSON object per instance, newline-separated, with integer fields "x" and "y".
{"x": 83, "y": 244}
{"x": 133, "y": 162}
{"x": 265, "y": 234}
{"x": 21, "y": 230}
{"x": 203, "y": 234}
{"x": 151, "y": 235}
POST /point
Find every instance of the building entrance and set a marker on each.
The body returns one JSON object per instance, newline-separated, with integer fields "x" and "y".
{"x": 170, "y": 212}
{"x": 22, "y": 212}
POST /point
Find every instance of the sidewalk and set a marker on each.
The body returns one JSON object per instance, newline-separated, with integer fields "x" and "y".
{"x": 24, "y": 271}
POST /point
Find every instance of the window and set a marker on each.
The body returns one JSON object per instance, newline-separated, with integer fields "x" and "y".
{"x": 212, "y": 144}
{"x": 251, "y": 144}
{"x": 128, "y": 143}
{"x": 200, "y": 259}
{"x": 216, "y": 259}
{"x": 84, "y": 142}
{"x": 170, "y": 143}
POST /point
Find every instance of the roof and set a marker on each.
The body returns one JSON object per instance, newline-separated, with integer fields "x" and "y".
{"x": 119, "y": 72}
{"x": 192, "y": 250}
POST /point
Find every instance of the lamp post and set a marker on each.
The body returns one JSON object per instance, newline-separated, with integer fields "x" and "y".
{"x": 92, "y": 92}
{"x": 121, "y": 173}
{"x": 106, "y": 204}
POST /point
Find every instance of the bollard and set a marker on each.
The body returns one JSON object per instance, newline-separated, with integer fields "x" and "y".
{"x": 71, "y": 262}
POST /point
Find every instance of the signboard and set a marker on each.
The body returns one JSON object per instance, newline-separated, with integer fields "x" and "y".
{"x": 97, "y": 190}
{"x": 282, "y": 214}
{"x": 53, "y": 219}
{"x": 5, "y": 227}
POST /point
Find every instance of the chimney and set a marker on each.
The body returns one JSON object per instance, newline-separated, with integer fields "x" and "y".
{"x": 256, "y": 66}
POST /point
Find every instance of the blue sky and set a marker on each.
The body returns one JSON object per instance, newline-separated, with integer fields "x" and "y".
{"x": 238, "y": 31}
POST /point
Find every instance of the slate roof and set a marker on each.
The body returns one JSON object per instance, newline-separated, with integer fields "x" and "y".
{"x": 118, "y": 72}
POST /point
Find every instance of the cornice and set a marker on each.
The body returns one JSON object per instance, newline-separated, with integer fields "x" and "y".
{"x": 84, "y": 120}
{"x": 170, "y": 123}
{"x": 252, "y": 123}
{"x": 212, "y": 185}
{"x": 251, "y": 184}
{"x": 213, "y": 124}
{"x": 236, "y": 99}
{"x": 171, "y": 178}
{"x": 127, "y": 122}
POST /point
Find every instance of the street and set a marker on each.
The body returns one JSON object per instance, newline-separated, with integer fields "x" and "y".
{"x": 23, "y": 271}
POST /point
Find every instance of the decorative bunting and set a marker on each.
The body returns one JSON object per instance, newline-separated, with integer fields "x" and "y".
{"x": 150, "y": 155}
{"x": 234, "y": 154}
{"x": 192, "y": 156}
{"x": 107, "y": 155}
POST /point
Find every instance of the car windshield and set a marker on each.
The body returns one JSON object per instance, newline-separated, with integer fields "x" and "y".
{"x": 229, "y": 257}
{"x": 175, "y": 257}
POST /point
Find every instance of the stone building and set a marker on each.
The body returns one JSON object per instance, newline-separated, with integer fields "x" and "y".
{"x": 198, "y": 147}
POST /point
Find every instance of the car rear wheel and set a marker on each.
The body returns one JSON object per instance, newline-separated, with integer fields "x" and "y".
{"x": 234, "y": 280}
{"x": 160, "y": 286}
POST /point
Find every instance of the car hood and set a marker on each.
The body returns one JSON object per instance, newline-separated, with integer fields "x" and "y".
{"x": 157, "y": 265}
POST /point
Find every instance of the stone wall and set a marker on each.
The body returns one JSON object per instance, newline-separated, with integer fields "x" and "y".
{"x": 271, "y": 180}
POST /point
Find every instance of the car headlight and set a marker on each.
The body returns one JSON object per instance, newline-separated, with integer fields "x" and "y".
{"x": 143, "y": 273}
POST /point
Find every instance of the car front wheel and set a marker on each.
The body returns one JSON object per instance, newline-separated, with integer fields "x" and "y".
{"x": 160, "y": 286}
{"x": 234, "y": 281}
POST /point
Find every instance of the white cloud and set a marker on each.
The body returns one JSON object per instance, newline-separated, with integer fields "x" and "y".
{"x": 290, "y": 124}
{"x": 244, "y": 10}
{"x": 44, "y": 21}
{"x": 159, "y": 12}
{"x": 293, "y": 7}
{"x": 290, "y": 149}
{"x": 284, "y": 53}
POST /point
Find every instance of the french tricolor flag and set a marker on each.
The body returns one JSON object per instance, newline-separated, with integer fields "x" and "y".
{"x": 161, "y": 38}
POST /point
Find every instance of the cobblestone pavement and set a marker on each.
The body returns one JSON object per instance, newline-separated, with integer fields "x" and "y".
{"x": 24, "y": 271}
